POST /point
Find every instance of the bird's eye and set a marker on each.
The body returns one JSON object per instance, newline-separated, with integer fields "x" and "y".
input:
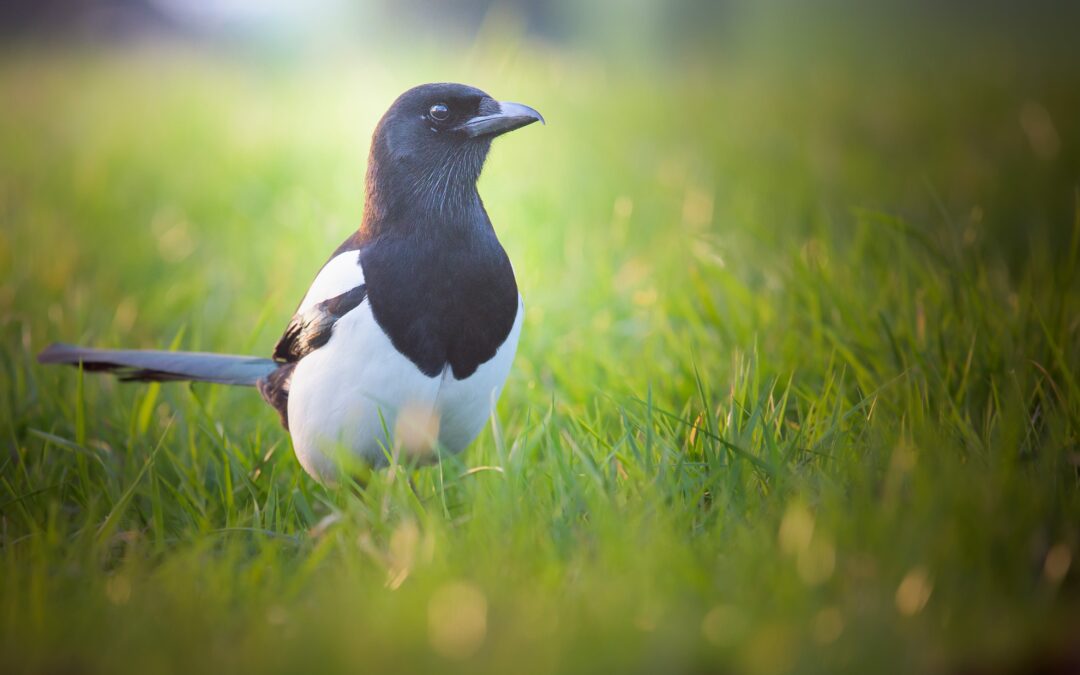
{"x": 439, "y": 112}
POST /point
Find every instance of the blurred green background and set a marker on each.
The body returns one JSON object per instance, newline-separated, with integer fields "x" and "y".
{"x": 797, "y": 388}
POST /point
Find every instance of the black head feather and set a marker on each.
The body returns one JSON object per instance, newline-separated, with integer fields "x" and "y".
{"x": 420, "y": 160}
{"x": 429, "y": 148}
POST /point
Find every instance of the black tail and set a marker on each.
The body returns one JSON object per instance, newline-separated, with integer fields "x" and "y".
{"x": 160, "y": 366}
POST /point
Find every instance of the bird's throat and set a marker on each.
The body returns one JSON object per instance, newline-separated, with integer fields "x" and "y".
{"x": 441, "y": 194}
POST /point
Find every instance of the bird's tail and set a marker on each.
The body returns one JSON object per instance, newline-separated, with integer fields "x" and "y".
{"x": 161, "y": 366}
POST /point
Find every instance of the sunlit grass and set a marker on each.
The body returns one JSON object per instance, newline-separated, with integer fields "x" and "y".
{"x": 797, "y": 386}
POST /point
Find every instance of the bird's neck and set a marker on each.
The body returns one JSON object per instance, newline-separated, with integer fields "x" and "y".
{"x": 439, "y": 196}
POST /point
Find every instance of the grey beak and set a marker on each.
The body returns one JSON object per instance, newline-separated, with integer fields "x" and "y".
{"x": 510, "y": 116}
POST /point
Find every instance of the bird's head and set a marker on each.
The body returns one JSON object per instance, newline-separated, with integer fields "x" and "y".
{"x": 430, "y": 146}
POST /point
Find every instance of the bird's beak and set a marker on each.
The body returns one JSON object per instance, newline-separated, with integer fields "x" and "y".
{"x": 510, "y": 116}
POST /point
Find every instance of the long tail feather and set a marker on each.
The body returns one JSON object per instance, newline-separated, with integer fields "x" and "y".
{"x": 162, "y": 366}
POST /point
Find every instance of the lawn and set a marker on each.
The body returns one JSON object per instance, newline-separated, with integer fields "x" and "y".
{"x": 797, "y": 389}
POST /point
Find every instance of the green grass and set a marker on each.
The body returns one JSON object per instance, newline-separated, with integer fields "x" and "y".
{"x": 797, "y": 389}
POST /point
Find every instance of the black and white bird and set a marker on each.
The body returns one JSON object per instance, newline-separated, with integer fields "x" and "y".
{"x": 409, "y": 329}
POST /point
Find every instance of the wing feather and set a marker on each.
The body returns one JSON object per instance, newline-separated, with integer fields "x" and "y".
{"x": 311, "y": 328}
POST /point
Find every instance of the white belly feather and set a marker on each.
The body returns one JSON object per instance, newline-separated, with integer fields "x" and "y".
{"x": 464, "y": 406}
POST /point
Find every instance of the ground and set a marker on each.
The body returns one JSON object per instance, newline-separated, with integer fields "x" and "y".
{"x": 797, "y": 387}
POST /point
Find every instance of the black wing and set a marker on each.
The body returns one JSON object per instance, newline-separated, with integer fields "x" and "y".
{"x": 312, "y": 329}
{"x": 306, "y": 332}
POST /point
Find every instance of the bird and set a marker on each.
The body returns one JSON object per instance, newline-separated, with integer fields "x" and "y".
{"x": 406, "y": 336}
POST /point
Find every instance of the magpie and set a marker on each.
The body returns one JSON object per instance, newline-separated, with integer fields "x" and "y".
{"x": 406, "y": 336}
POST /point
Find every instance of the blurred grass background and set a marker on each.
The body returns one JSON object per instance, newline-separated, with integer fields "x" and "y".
{"x": 797, "y": 389}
